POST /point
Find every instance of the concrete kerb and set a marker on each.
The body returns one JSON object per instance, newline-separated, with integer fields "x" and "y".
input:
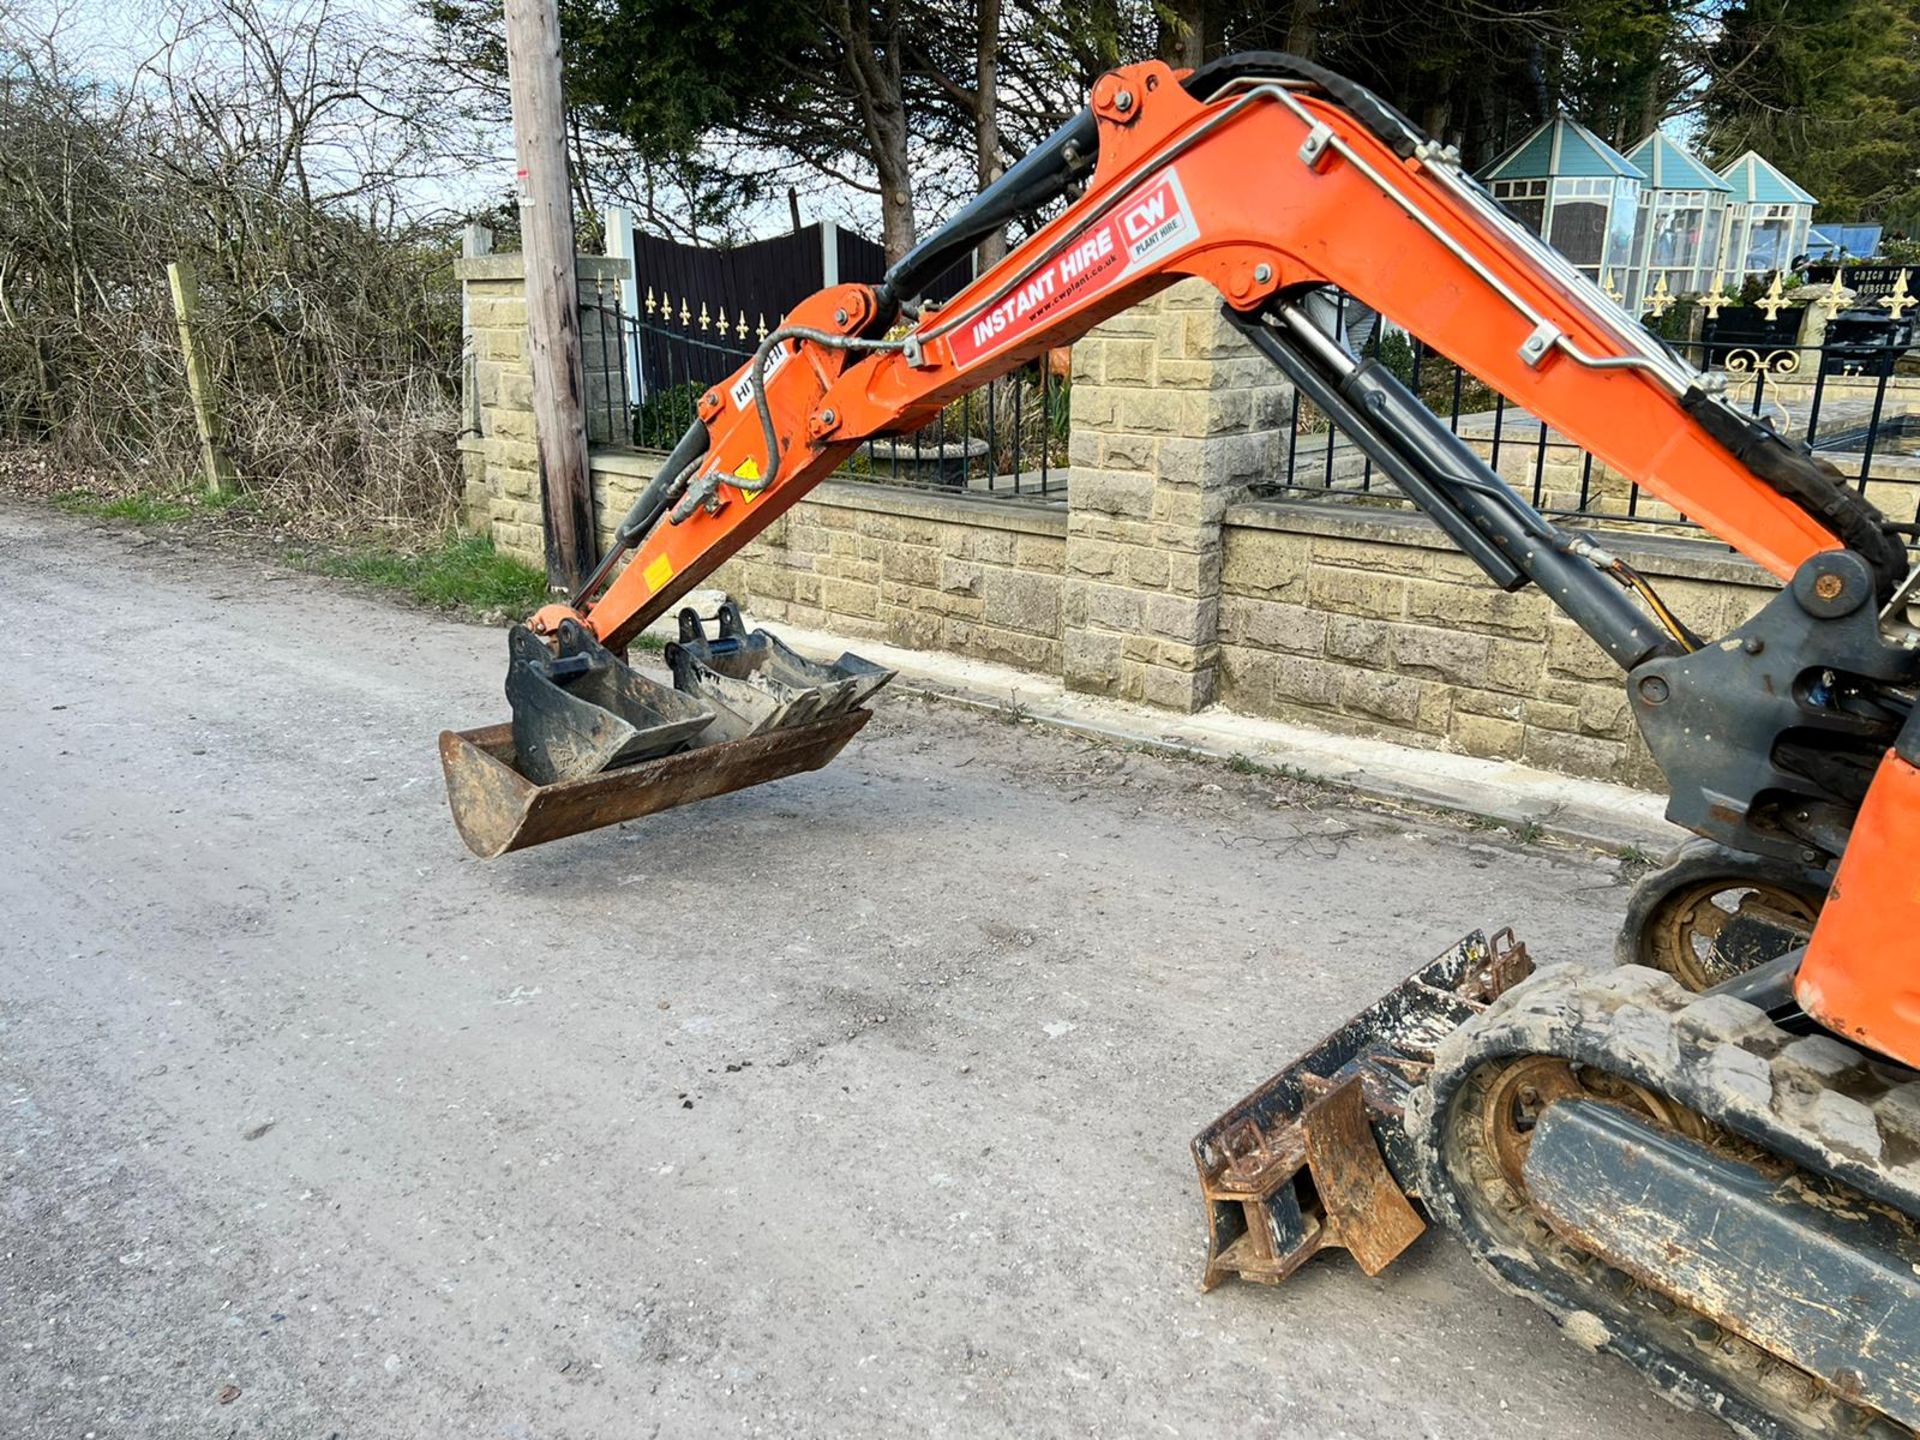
{"x": 1582, "y": 812}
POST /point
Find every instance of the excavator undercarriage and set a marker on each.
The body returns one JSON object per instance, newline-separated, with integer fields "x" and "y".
{"x": 1705, "y": 1160}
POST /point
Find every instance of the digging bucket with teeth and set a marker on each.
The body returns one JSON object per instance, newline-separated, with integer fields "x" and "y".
{"x": 593, "y": 742}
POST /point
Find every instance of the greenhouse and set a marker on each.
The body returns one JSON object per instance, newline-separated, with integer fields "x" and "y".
{"x": 1582, "y": 195}
{"x": 1768, "y": 220}
{"x": 1684, "y": 212}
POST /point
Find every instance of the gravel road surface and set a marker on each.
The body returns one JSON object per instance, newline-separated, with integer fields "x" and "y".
{"x": 857, "y": 1105}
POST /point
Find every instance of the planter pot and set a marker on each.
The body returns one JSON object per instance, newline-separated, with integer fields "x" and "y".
{"x": 948, "y": 463}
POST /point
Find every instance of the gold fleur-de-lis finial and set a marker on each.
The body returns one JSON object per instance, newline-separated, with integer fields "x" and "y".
{"x": 1606, "y": 284}
{"x": 1716, "y": 296}
{"x": 1833, "y": 302}
{"x": 761, "y": 333}
{"x": 1775, "y": 300}
{"x": 686, "y": 315}
{"x": 706, "y": 322}
{"x": 740, "y": 330}
{"x": 649, "y": 300}
{"x": 1661, "y": 300}
{"x": 1901, "y": 300}
{"x": 720, "y": 322}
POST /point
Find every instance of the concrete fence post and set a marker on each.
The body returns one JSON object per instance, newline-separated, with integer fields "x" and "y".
{"x": 619, "y": 228}
{"x": 1173, "y": 414}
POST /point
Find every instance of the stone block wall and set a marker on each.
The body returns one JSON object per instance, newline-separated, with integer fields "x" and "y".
{"x": 930, "y": 571}
{"x": 914, "y": 568}
{"x": 1371, "y": 622}
{"x": 1159, "y": 580}
{"x": 502, "y": 465}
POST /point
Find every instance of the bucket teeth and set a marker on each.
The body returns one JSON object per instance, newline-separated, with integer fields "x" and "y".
{"x": 754, "y": 683}
{"x": 578, "y": 709}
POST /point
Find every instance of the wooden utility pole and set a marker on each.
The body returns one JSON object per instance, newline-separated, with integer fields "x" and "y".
{"x": 553, "y": 316}
{"x": 986, "y": 123}
{"x": 213, "y": 451}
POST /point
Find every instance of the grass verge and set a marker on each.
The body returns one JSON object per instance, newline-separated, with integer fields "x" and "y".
{"x": 150, "y": 507}
{"x": 458, "y": 572}
{"x": 462, "y": 572}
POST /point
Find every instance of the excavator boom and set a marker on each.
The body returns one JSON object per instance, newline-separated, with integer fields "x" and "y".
{"x": 1788, "y": 745}
{"x": 1265, "y": 177}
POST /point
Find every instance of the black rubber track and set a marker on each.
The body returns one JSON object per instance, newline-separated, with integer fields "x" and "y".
{"x": 1809, "y": 1099}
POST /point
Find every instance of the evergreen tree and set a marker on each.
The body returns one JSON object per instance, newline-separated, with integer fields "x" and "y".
{"x": 1829, "y": 91}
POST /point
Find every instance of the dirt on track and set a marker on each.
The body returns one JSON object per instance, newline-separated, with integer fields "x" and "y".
{"x": 856, "y": 1105}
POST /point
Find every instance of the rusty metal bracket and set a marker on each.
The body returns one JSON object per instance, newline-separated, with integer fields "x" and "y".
{"x": 1318, "y": 1156}
{"x": 1321, "y": 1181}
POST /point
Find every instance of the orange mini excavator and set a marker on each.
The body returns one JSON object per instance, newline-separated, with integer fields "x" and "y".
{"x": 1706, "y": 1160}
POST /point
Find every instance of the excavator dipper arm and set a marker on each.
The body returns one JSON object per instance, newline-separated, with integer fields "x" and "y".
{"x": 1271, "y": 179}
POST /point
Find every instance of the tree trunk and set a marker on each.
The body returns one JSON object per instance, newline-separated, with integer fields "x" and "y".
{"x": 1303, "y": 30}
{"x": 1652, "y": 110}
{"x": 1183, "y": 32}
{"x": 873, "y": 69}
{"x": 986, "y": 130}
{"x": 896, "y": 184}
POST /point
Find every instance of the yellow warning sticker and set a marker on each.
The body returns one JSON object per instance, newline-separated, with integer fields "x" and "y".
{"x": 748, "y": 469}
{"x": 658, "y": 573}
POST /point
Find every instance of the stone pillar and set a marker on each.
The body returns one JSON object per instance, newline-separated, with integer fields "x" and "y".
{"x": 503, "y": 490}
{"x": 1814, "y": 319}
{"x": 502, "y": 465}
{"x": 1173, "y": 415}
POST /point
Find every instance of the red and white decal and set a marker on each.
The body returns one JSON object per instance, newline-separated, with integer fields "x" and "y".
{"x": 1142, "y": 231}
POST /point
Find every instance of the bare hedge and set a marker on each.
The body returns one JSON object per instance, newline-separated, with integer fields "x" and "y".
{"x": 331, "y": 321}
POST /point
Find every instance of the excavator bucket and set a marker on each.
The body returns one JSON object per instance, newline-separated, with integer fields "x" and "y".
{"x": 756, "y": 684}
{"x": 578, "y": 709}
{"x": 1319, "y": 1156}
{"x": 593, "y": 742}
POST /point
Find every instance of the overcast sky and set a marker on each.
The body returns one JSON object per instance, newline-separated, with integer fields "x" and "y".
{"x": 109, "y": 41}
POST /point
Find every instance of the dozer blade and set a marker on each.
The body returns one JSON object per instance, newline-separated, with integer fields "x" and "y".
{"x": 593, "y": 743}
{"x": 755, "y": 684}
{"x": 1319, "y": 1155}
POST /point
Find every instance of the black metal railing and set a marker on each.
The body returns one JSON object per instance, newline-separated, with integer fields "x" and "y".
{"x": 1855, "y": 398}
{"x": 1007, "y": 439}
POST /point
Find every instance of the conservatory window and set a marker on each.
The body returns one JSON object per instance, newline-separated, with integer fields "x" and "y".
{"x": 1580, "y": 220}
{"x": 1680, "y": 232}
{"x": 1709, "y": 245}
{"x": 1624, "y": 211}
{"x": 1526, "y": 199}
{"x": 1769, "y": 239}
